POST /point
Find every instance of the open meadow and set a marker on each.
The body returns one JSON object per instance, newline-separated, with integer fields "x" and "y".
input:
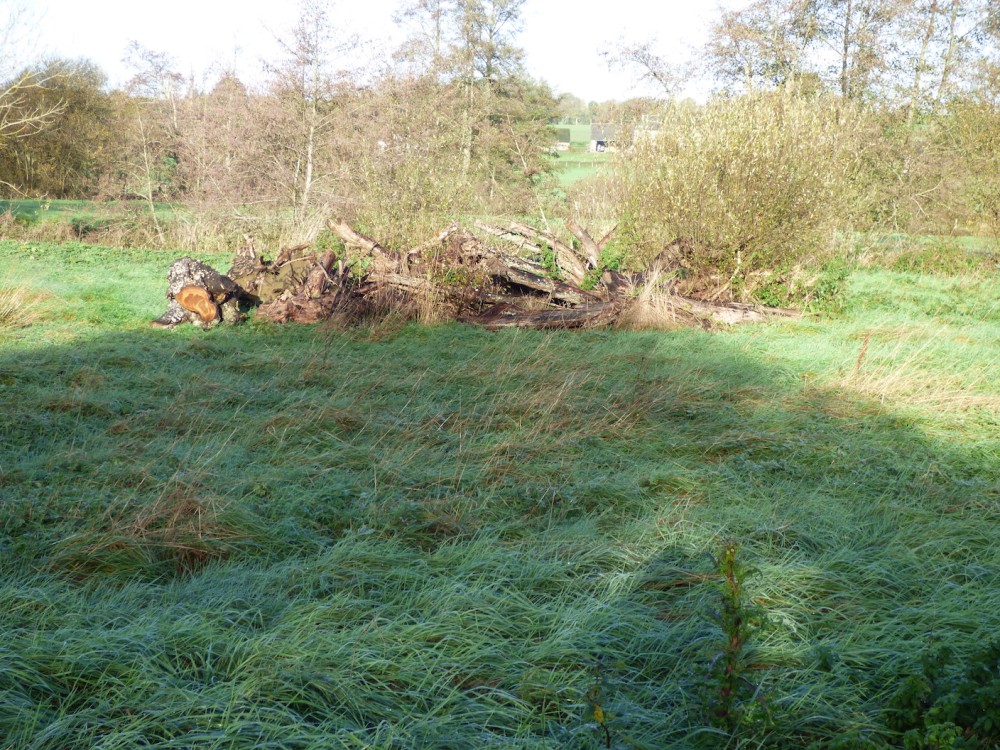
{"x": 402, "y": 536}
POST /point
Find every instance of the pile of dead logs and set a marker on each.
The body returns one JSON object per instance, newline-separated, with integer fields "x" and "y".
{"x": 511, "y": 276}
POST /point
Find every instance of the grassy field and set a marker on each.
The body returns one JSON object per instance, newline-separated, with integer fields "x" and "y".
{"x": 578, "y": 164}
{"x": 439, "y": 537}
{"x": 579, "y": 135}
{"x": 81, "y": 218}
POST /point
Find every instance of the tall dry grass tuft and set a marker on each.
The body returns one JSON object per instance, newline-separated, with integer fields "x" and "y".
{"x": 19, "y": 307}
{"x": 917, "y": 368}
{"x": 652, "y": 307}
{"x": 179, "y": 532}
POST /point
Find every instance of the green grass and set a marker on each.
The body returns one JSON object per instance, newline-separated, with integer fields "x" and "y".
{"x": 429, "y": 537}
{"x": 79, "y": 217}
{"x": 576, "y": 164}
{"x": 57, "y": 210}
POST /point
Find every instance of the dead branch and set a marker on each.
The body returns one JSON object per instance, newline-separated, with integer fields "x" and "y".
{"x": 591, "y": 249}
{"x": 569, "y": 262}
{"x": 439, "y": 240}
{"x": 603, "y": 242}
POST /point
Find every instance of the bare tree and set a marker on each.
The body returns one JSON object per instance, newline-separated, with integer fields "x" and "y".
{"x": 154, "y": 78}
{"x": 944, "y": 45}
{"x": 308, "y": 88}
{"x": 763, "y": 45}
{"x": 652, "y": 67}
{"x": 859, "y": 34}
{"x": 21, "y": 113}
{"x": 432, "y": 34}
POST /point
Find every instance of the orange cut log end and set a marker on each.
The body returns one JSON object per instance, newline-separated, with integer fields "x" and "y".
{"x": 197, "y": 300}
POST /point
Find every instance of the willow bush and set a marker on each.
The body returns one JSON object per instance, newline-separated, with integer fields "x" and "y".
{"x": 972, "y": 132}
{"x": 742, "y": 192}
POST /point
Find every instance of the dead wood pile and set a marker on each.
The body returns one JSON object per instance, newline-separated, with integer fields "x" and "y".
{"x": 518, "y": 276}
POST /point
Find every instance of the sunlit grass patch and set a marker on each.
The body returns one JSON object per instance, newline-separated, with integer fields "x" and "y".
{"x": 924, "y": 367}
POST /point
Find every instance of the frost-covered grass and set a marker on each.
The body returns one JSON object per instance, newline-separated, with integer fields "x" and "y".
{"x": 439, "y": 537}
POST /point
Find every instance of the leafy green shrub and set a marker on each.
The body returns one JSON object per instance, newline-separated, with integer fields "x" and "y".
{"x": 741, "y": 192}
{"x": 950, "y": 705}
{"x": 944, "y": 258}
{"x": 972, "y": 132}
{"x": 935, "y": 256}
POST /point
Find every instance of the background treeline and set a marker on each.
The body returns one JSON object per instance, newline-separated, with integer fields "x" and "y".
{"x": 828, "y": 116}
{"x": 453, "y": 122}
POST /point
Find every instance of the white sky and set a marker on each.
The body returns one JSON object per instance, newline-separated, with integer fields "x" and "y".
{"x": 562, "y": 40}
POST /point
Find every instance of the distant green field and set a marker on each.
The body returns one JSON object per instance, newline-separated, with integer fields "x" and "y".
{"x": 579, "y": 134}
{"x": 572, "y": 172}
{"x": 41, "y": 209}
{"x": 45, "y": 210}
{"x": 578, "y": 164}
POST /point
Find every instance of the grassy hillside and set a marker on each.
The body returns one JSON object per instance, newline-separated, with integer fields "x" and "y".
{"x": 413, "y": 537}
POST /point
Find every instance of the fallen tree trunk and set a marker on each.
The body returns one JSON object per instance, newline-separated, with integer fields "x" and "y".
{"x": 384, "y": 260}
{"x": 511, "y": 316}
{"x": 732, "y": 313}
{"x": 567, "y": 258}
{"x": 472, "y": 281}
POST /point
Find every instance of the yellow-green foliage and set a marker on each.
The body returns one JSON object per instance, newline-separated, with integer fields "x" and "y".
{"x": 973, "y": 132}
{"x": 751, "y": 185}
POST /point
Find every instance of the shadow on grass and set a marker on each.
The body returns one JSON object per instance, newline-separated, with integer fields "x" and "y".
{"x": 445, "y": 537}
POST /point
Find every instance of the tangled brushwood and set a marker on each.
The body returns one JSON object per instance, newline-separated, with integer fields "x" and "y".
{"x": 518, "y": 276}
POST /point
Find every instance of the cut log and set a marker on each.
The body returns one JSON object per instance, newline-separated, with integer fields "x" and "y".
{"x": 197, "y": 299}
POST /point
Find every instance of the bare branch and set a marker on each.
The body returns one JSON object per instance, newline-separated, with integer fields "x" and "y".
{"x": 652, "y": 66}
